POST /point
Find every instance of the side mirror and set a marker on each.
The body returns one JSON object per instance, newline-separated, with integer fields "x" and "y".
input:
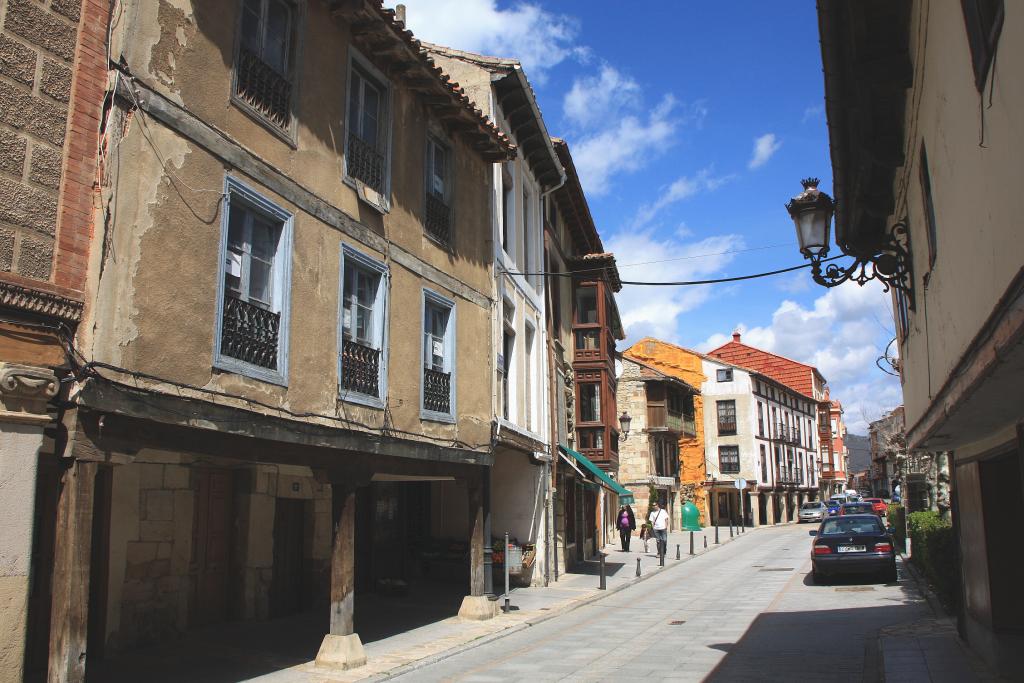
{"x": 890, "y": 529}
{"x": 812, "y": 533}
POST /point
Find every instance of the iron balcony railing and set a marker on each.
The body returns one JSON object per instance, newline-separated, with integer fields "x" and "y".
{"x": 265, "y": 90}
{"x": 785, "y": 434}
{"x": 437, "y": 390}
{"x": 360, "y": 368}
{"x": 788, "y": 476}
{"x": 249, "y": 333}
{"x": 365, "y": 163}
{"x": 439, "y": 218}
{"x": 726, "y": 426}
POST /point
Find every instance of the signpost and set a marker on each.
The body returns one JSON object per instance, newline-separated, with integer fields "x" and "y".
{"x": 740, "y": 485}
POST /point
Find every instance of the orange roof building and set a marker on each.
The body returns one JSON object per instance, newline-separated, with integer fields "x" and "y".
{"x": 797, "y": 376}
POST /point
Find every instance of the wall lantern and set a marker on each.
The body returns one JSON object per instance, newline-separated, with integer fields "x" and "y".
{"x": 624, "y": 422}
{"x": 812, "y": 211}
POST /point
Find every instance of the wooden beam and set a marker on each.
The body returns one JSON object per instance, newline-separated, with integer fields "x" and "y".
{"x": 343, "y": 566}
{"x": 476, "y": 538}
{"x": 69, "y": 613}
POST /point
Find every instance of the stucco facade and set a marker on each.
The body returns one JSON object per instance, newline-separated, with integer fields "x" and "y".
{"x": 944, "y": 101}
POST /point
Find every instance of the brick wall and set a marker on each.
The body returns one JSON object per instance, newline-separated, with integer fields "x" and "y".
{"x": 52, "y": 79}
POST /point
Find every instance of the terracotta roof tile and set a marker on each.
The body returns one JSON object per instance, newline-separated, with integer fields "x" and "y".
{"x": 795, "y": 375}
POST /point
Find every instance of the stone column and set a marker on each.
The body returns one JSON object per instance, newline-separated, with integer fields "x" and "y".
{"x": 341, "y": 648}
{"x": 477, "y": 605}
{"x": 755, "y": 508}
{"x": 769, "y": 509}
{"x": 24, "y": 392}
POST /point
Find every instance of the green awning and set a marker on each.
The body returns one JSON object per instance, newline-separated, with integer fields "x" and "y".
{"x": 625, "y": 495}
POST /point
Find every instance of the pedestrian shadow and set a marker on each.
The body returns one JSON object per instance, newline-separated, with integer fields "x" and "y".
{"x": 593, "y": 568}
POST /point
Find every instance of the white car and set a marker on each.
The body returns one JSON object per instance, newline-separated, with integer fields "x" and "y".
{"x": 814, "y": 511}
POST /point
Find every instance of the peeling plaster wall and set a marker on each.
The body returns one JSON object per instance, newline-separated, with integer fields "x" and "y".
{"x": 156, "y": 297}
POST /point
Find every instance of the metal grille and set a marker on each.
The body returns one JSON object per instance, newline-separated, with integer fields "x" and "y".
{"x": 266, "y": 90}
{"x": 365, "y": 163}
{"x": 439, "y": 218}
{"x": 360, "y": 368}
{"x": 437, "y": 390}
{"x": 249, "y": 333}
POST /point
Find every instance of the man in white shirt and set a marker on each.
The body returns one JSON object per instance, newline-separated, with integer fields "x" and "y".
{"x": 658, "y": 518}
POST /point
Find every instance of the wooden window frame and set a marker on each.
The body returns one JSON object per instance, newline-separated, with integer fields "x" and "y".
{"x": 237, "y": 192}
{"x": 434, "y": 300}
{"x": 352, "y": 258}
{"x": 361, "y": 66}
{"x": 721, "y": 463}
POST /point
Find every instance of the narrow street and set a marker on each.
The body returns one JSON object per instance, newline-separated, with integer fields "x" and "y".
{"x": 747, "y": 611}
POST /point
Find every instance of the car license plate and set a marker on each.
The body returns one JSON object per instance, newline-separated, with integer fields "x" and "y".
{"x": 851, "y": 548}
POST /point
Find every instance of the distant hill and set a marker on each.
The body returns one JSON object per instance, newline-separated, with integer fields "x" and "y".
{"x": 860, "y": 451}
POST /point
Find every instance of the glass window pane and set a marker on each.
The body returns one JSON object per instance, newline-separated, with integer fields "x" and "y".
{"x": 236, "y": 227}
{"x": 251, "y": 26}
{"x": 371, "y": 114}
{"x": 275, "y": 47}
{"x": 260, "y": 281}
{"x": 586, "y": 305}
{"x": 355, "y": 88}
{"x": 264, "y": 239}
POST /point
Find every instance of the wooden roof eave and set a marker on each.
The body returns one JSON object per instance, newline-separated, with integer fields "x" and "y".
{"x": 385, "y": 40}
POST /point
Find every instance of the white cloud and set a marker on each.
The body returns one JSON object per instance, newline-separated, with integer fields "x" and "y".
{"x": 597, "y": 98}
{"x": 654, "y": 311}
{"x": 539, "y": 39}
{"x": 764, "y": 148}
{"x": 624, "y": 146}
{"x": 812, "y": 113}
{"x": 681, "y": 189}
{"x": 842, "y": 334}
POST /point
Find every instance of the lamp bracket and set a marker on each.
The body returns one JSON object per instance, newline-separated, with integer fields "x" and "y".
{"x": 891, "y": 266}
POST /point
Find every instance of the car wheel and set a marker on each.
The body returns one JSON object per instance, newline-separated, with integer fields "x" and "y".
{"x": 890, "y": 575}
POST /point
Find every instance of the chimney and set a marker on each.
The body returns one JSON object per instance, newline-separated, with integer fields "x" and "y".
{"x": 736, "y": 336}
{"x": 400, "y": 13}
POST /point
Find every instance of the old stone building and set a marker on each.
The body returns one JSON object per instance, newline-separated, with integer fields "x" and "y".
{"x": 52, "y": 76}
{"x": 278, "y": 368}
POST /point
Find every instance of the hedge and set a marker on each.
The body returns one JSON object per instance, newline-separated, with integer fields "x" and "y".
{"x": 894, "y": 515}
{"x": 933, "y": 551}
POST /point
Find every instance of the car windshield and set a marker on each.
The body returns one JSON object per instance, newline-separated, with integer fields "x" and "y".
{"x": 856, "y": 508}
{"x": 850, "y": 525}
{"x": 810, "y": 506}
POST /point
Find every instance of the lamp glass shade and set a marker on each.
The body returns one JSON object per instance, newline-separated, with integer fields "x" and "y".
{"x": 624, "y": 422}
{"x": 812, "y": 230}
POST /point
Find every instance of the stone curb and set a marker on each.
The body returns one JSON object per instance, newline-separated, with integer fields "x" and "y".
{"x": 533, "y": 621}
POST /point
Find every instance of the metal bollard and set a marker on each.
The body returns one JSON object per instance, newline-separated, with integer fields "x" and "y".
{"x": 638, "y": 566}
{"x": 691, "y": 543}
{"x": 705, "y": 542}
{"x": 602, "y": 586}
{"x": 716, "y": 533}
{"x": 507, "y": 608}
{"x": 730, "y": 528}
{"x": 678, "y": 556}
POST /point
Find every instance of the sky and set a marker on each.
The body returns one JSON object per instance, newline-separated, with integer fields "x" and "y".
{"x": 691, "y": 125}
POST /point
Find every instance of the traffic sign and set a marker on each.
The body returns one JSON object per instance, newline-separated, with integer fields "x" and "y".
{"x": 740, "y": 484}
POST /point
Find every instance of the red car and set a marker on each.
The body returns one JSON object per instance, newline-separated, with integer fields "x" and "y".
{"x": 878, "y": 506}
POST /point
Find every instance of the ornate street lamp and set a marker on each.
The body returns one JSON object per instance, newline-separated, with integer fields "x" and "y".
{"x": 624, "y": 422}
{"x": 812, "y": 211}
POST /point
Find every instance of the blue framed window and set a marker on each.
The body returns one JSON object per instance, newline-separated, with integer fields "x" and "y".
{"x": 437, "y": 393}
{"x": 362, "y": 358}
{"x": 254, "y": 285}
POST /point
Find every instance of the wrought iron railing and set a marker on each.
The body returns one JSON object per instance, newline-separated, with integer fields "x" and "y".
{"x": 788, "y": 476}
{"x": 785, "y": 434}
{"x": 726, "y": 426}
{"x": 437, "y": 391}
{"x": 249, "y": 333}
{"x": 360, "y": 368}
{"x": 263, "y": 88}
{"x": 365, "y": 163}
{"x": 439, "y": 218}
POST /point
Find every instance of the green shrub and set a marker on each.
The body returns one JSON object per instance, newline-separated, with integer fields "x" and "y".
{"x": 933, "y": 551}
{"x": 894, "y": 516}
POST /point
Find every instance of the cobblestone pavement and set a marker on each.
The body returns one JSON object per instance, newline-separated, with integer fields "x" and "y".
{"x": 748, "y": 611}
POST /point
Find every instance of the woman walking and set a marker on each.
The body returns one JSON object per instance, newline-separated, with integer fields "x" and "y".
{"x": 627, "y": 522}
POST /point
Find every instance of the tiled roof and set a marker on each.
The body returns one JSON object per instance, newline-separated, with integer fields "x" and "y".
{"x": 795, "y": 375}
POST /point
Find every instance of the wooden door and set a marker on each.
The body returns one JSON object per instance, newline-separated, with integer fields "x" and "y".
{"x": 211, "y": 545}
{"x": 288, "y": 583}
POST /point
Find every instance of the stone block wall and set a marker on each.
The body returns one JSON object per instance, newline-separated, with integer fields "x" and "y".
{"x": 52, "y": 81}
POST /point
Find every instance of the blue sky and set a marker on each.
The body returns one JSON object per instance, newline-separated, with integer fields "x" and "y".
{"x": 691, "y": 124}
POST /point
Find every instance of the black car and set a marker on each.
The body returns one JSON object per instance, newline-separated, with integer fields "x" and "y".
{"x": 853, "y": 544}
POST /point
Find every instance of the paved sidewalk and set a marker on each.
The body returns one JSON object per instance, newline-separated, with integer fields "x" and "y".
{"x": 929, "y": 649}
{"x": 433, "y": 642}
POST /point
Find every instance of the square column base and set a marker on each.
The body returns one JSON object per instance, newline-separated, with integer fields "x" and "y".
{"x": 341, "y": 652}
{"x": 478, "y": 608}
